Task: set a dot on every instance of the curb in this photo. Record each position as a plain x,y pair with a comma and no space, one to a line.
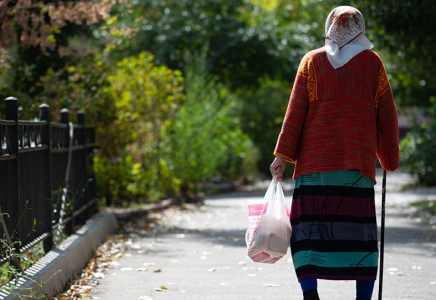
60,265
125,214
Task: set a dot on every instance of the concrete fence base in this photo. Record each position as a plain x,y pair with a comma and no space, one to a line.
51,273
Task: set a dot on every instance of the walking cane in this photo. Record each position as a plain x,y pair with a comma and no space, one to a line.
382,237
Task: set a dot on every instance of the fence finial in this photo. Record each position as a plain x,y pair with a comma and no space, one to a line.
11,108
65,116
44,112
81,117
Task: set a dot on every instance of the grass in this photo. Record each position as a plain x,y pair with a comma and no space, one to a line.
27,259
415,184
427,206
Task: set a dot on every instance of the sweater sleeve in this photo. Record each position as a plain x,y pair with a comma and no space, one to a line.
388,151
289,138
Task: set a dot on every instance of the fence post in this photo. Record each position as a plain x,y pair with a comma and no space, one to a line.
44,115
17,209
65,119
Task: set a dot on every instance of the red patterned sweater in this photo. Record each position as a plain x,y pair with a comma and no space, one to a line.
340,119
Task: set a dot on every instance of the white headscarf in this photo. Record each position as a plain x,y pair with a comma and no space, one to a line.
345,35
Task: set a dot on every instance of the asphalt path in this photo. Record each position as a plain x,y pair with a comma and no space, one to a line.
200,253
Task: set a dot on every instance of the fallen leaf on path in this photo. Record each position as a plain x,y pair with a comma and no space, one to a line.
157,271
271,284
99,275
141,269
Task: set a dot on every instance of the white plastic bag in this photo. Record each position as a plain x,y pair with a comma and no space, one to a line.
270,230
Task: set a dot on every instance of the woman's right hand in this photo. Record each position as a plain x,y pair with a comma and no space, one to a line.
278,167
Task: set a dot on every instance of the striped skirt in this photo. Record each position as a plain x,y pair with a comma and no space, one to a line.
334,226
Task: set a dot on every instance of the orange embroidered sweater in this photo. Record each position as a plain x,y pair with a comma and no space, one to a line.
340,119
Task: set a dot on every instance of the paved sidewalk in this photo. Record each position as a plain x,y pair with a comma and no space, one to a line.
200,253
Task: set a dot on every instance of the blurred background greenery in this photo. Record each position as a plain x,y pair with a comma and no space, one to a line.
186,92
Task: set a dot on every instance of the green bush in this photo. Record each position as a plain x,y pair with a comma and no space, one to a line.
157,138
207,139
418,148
263,111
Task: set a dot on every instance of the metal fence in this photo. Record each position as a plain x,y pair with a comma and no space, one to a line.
34,159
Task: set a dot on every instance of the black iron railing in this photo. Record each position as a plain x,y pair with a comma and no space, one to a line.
34,159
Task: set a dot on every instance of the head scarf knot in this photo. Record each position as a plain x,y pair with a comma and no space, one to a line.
345,35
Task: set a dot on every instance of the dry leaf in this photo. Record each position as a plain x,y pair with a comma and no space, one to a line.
99,275
157,271
271,284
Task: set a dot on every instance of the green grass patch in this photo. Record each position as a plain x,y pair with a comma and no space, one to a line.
415,184
9,272
428,206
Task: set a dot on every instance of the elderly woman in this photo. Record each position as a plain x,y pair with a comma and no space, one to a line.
340,117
